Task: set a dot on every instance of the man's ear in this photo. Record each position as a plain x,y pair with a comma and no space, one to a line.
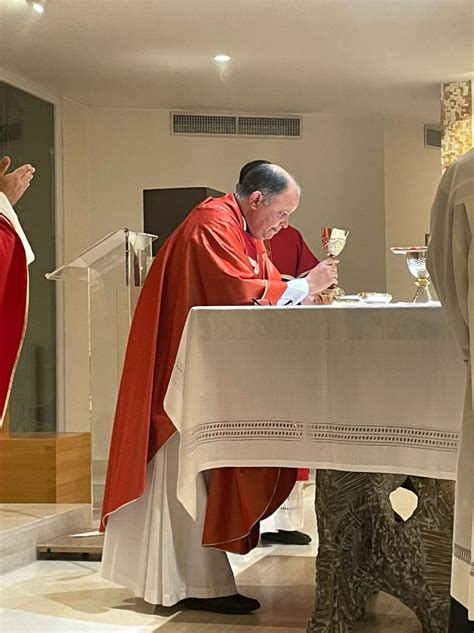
255,199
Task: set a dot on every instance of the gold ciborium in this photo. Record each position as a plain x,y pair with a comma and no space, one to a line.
333,241
416,262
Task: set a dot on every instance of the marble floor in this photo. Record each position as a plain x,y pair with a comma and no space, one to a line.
71,597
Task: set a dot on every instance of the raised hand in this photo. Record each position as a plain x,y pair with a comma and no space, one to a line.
14,184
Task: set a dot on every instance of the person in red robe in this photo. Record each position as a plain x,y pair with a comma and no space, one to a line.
290,254
15,255
293,258
215,257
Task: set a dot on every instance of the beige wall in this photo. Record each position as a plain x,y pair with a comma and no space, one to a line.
412,173
338,162
76,220
75,239
363,173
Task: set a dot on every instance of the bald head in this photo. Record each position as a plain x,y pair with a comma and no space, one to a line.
267,196
269,179
249,166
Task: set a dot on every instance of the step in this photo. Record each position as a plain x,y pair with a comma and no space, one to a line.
24,525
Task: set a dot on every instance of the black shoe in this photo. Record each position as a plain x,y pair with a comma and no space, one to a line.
236,604
287,538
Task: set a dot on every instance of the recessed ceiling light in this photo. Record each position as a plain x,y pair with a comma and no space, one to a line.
222,58
38,5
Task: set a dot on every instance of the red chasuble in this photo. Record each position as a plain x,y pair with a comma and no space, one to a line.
290,254
13,306
208,260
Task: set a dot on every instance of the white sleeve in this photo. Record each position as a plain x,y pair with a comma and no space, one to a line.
6,209
295,293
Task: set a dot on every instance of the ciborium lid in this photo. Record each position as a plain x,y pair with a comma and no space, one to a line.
403,250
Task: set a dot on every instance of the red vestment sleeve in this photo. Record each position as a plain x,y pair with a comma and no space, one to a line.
13,306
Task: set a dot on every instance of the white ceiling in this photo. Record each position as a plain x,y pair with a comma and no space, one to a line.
292,56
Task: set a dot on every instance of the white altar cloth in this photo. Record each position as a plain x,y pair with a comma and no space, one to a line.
357,388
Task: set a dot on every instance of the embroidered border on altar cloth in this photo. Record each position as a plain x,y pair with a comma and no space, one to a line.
287,430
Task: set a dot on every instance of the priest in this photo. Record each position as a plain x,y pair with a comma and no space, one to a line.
15,255
215,257
451,266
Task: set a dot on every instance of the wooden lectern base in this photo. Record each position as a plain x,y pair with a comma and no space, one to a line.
45,468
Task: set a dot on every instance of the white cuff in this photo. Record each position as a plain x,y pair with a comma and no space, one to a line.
297,290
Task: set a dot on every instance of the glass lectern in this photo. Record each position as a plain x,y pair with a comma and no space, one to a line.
101,288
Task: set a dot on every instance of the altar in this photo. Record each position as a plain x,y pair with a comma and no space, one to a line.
354,389
372,389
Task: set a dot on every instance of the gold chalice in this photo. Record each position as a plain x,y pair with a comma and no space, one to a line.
333,241
416,261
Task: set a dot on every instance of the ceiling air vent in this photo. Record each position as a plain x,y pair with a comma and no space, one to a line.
269,126
235,125
204,124
432,136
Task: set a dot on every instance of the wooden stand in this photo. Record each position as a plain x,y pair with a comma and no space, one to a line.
45,468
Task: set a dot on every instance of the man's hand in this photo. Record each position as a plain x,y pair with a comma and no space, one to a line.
321,277
317,300
15,184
